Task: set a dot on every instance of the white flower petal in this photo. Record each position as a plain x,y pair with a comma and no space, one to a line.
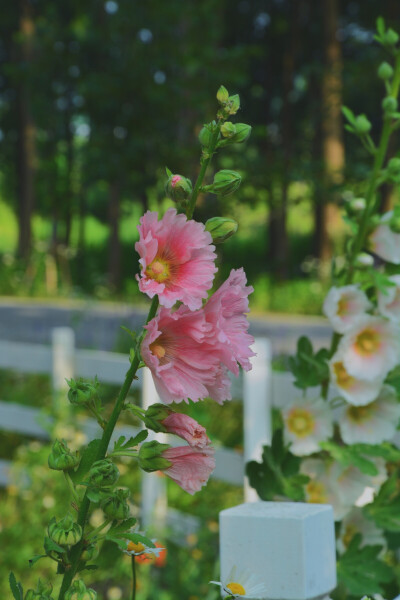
308,421
344,306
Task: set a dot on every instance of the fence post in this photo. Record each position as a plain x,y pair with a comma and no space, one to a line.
257,405
154,488
288,546
63,357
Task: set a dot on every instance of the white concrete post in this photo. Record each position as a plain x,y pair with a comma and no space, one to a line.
154,487
63,360
288,546
257,405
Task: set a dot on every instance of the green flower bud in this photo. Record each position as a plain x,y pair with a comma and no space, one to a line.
43,592
103,474
155,414
150,456
79,591
391,37
178,188
221,228
61,458
82,392
90,553
394,166
364,260
65,532
233,104
389,105
362,125
357,205
222,95
242,133
225,182
115,505
228,129
385,71
205,136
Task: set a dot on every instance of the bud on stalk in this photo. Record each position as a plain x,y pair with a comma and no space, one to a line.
43,592
225,182
79,591
61,458
150,456
82,392
103,474
221,228
115,505
178,188
65,532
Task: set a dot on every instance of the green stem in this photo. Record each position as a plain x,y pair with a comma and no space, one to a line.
76,551
371,206
133,577
204,164
132,453
71,487
94,533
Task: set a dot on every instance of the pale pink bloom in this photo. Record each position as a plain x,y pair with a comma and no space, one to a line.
344,306
371,424
226,312
308,421
191,467
357,392
371,348
175,179
183,366
389,302
176,258
186,428
384,242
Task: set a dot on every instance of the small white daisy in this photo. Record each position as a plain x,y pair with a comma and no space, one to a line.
307,422
371,424
384,242
344,306
357,392
389,302
371,348
242,584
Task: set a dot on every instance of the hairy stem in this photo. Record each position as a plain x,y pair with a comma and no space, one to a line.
133,577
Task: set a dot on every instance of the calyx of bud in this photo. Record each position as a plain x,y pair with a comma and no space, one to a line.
61,458
150,456
385,71
362,125
394,166
115,505
178,188
389,105
65,532
234,134
222,95
221,228
155,415
225,182
79,591
103,474
82,392
42,592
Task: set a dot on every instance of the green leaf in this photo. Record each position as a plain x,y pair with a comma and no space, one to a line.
360,570
124,526
35,558
309,369
350,456
385,509
130,332
120,538
349,115
51,546
123,444
88,457
15,587
168,172
380,25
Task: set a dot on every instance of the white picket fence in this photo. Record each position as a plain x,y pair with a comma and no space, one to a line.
62,360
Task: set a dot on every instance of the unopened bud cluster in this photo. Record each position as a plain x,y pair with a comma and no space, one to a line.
65,532
82,392
61,458
42,592
79,591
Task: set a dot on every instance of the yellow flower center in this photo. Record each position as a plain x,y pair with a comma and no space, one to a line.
236,588
136,547
316,492
343,379
348,534
342,307
359,413
159,270
157,350
300,422
367,342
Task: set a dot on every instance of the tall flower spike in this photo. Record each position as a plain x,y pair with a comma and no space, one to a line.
177,259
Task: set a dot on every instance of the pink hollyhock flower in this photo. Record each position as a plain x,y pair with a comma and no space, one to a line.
191,467
175,179
176,258
183,366
344,306
225,312
186,428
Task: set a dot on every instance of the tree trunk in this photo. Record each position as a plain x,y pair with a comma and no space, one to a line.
114,257
332,144
26,137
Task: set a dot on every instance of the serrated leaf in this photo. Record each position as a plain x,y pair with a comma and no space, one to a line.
89,455
16,588
385,509
361,571
123,444
350,456
34,559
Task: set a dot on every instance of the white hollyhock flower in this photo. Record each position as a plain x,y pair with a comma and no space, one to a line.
307,422
242,584
356,391
384,242
344,306
389,302
331,483
371,348
371,424
355,522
